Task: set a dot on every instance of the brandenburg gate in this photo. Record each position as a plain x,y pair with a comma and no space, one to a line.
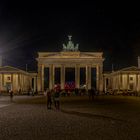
70,57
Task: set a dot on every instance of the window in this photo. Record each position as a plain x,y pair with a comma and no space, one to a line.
8,78
131,78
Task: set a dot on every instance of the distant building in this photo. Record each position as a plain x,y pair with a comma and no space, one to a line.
17,80
124,79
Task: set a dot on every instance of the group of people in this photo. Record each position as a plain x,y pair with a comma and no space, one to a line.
53,96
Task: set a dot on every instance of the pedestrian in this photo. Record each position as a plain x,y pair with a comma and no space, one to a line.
91,93
11,95
45,92
57,98
49,99
32,92
76,91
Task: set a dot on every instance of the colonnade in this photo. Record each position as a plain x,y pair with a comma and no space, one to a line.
16,81
99,77
122,82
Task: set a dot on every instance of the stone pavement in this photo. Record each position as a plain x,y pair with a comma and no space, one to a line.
106,118
6,101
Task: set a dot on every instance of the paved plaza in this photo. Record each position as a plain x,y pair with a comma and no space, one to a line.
105,118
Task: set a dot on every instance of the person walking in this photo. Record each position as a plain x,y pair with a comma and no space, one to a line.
91,93
57,99
49,99
45,92
11,95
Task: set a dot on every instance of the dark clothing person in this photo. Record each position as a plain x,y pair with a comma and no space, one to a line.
91,93
76,91
11,95
57,99
49,100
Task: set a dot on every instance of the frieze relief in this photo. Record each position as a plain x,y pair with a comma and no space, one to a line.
69,62
71,55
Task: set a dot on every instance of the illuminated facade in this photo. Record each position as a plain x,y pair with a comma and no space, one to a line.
70,57
16,80
124,79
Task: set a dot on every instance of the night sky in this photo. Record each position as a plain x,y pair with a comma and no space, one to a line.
29,27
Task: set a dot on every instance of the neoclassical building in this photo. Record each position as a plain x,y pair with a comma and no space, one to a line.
69,57
16,80
123,79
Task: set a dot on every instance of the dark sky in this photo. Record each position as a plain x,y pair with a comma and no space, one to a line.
29,27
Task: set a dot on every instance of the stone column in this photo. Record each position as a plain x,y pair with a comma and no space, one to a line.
42,77
39,79
2,81
138,88
127,81
136,84
12,82
87,77
53,76
23,77
97,77
21,83
101,78
105,84
50,76
62,76
34,83
23,87
18,82
118,82
77,76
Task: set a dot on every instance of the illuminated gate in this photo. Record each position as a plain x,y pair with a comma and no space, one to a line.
70,57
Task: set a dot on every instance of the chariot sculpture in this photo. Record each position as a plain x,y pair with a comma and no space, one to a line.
70,45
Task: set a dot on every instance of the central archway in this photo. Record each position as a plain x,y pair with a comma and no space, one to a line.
70,78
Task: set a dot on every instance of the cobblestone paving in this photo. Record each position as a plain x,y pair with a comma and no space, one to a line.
28,121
